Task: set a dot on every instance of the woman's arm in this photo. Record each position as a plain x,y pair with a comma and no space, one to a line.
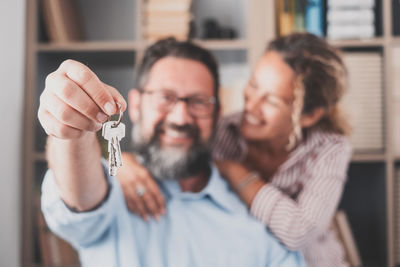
243,180
295,222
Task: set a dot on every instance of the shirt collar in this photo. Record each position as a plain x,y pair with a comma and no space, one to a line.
217,189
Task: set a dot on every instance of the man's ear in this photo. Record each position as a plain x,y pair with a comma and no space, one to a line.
310,119
134,98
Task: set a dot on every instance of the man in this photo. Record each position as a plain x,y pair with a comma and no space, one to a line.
174,111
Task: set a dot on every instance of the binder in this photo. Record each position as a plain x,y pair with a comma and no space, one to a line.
314,17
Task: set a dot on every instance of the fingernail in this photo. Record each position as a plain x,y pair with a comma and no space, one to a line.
110,108
146,218
156,217
101,117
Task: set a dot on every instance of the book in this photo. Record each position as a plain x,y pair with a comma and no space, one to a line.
314,17
299,13
342,228
351,31
351,4
363,16
168,6
161,29
285,17
167,18
62,20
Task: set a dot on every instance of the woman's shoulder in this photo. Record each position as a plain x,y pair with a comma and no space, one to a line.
228,142
323,142
319,137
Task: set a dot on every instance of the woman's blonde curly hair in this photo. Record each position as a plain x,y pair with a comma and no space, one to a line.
320,74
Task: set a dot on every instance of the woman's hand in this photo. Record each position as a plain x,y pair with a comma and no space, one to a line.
243,180
142,194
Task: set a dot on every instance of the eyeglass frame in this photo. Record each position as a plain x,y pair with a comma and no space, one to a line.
210,99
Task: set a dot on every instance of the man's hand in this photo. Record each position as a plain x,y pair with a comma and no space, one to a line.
75,101
142,194
72,107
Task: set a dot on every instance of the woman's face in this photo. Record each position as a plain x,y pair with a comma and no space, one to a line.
269,96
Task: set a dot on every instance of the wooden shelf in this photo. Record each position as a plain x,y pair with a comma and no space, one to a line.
396,41
223,44
372,42
368,157
134,45
90,46
55,265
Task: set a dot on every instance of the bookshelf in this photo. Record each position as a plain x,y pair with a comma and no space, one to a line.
113,46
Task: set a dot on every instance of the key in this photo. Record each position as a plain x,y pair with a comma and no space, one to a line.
113,134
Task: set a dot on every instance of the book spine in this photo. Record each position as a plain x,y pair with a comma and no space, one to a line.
351,4
350,16
285,17
351,31
314,17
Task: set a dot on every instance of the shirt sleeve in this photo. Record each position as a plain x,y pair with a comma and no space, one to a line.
296,222
79,228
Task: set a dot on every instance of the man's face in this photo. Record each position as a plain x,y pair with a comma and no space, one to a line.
174,142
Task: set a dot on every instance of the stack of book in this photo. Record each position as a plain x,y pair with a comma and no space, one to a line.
363,102
300,16
164,18
351,19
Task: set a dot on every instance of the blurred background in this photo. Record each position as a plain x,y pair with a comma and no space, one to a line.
111,36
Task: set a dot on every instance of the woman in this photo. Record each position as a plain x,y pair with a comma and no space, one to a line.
286,155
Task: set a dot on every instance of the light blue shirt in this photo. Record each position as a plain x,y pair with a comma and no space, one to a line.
209,228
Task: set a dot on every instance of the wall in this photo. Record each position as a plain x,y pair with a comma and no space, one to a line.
12,29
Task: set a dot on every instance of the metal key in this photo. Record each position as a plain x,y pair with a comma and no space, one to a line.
113,132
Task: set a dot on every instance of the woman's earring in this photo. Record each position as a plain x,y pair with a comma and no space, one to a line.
291,142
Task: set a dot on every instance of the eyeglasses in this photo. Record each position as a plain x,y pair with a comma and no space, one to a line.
199,106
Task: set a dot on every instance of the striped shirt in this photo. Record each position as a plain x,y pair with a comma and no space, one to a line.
298,203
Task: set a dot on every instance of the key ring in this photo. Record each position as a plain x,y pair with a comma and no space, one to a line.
120,116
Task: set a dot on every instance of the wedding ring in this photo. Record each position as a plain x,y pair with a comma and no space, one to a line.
140,190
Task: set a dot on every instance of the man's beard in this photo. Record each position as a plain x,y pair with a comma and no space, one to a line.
171,162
